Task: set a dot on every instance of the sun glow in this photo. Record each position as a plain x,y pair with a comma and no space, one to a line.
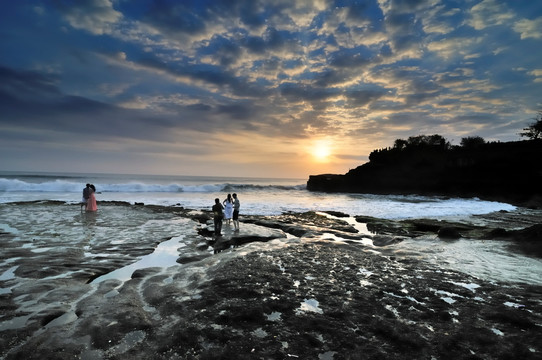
321,151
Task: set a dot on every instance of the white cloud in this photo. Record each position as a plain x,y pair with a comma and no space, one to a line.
537,73
95,16
436,20
489,13
529,28
454,47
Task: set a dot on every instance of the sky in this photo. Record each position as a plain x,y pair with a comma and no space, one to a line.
263,88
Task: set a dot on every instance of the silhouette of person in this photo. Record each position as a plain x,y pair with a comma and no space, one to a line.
236,206
218,213
86,194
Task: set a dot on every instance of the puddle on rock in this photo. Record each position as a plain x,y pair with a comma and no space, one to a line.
165,255
309,305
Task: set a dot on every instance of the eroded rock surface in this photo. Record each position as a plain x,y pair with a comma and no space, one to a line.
293,286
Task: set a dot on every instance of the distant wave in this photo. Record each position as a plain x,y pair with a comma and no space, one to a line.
232,187
15,185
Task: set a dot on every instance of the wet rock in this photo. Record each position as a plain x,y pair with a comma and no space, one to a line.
532,233
230,238
448,233
382,226
498,233
383,240
195,258
201,217
528,240
206,232
337,214
141,273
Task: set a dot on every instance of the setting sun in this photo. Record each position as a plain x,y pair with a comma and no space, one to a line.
321,151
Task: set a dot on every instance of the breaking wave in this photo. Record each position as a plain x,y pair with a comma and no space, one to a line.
16,185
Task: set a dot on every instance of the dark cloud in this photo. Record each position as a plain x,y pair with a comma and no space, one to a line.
175,17
29,98
474,119
27,84
298,92
255,44
199,107
358,98
236,111
192,17
407,5
347,58
224,50
207,73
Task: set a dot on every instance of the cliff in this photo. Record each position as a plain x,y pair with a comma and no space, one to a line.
508,171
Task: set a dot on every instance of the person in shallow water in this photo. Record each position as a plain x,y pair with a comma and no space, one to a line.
91,203
218,212
236,206
228,211
86,194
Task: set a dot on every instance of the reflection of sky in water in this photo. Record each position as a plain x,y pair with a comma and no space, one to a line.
9,274
489,259
309,305
165,255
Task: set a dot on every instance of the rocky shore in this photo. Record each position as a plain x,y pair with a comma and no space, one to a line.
295,286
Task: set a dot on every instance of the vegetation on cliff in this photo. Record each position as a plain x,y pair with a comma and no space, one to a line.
534,130
430,165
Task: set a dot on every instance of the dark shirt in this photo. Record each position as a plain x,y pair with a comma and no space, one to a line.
86,193
218,211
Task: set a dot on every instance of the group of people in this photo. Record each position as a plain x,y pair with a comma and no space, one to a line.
227,210
89,199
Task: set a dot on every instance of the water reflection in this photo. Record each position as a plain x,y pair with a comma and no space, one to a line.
165,255
484,259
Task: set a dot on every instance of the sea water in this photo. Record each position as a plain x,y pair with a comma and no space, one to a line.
258,196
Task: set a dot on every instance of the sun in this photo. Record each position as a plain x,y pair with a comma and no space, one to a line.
321,151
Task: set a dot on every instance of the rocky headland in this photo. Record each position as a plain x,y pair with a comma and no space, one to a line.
428,165
294,286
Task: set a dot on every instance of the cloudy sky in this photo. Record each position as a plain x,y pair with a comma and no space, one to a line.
281,88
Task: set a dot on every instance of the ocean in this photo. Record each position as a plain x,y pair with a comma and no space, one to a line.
258,196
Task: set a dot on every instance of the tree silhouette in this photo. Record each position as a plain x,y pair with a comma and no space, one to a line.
472,141
534,130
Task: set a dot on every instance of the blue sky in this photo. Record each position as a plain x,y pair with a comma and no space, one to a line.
279,88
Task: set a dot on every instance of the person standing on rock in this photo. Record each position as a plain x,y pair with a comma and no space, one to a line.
236,206
218,213
228,203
